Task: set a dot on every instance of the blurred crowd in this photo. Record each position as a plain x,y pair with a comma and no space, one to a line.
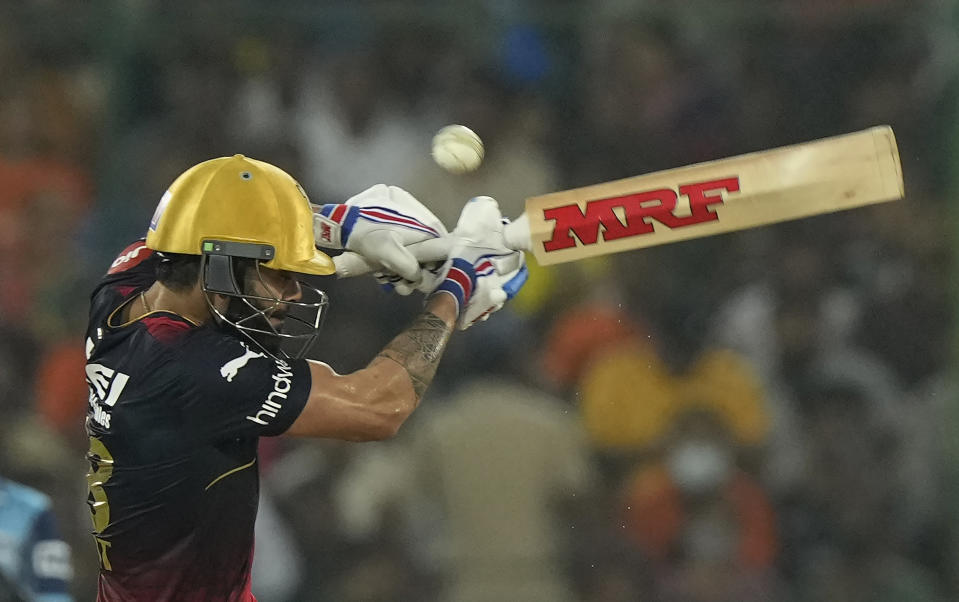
765,415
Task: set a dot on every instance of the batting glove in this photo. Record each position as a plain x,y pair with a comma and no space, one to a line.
482,273
375,227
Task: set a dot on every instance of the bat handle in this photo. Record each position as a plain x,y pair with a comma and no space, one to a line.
516,234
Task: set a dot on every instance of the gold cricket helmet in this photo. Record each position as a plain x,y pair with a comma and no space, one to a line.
236,211
239,200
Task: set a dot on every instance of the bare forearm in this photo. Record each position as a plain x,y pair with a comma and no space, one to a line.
418,349
372,403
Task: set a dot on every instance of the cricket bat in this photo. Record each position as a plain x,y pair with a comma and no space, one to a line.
736,193
755,189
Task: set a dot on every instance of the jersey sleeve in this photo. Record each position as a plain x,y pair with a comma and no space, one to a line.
133,267
240,391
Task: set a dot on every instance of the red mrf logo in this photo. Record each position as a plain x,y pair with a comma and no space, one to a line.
638,209
326,233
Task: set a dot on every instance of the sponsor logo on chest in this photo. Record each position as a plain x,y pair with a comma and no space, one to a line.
106,385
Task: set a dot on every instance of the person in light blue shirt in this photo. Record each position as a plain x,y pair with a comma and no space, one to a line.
34,560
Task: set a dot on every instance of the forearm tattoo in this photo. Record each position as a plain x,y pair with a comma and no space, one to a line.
419,349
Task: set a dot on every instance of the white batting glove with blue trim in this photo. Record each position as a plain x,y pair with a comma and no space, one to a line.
482,273
377,225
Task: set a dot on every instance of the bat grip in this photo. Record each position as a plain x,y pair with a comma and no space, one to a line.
515,235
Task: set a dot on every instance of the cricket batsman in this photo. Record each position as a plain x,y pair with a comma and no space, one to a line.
194,351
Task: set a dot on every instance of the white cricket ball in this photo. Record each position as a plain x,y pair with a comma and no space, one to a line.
457,149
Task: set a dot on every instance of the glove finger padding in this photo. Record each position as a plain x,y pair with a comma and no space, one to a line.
393,283
394,199
480,231
377,224
480,290
393,256
508,264
496,272
480,221
487,298
492,291
349,264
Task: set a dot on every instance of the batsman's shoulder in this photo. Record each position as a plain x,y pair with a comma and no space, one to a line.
209,344
130,257
132,270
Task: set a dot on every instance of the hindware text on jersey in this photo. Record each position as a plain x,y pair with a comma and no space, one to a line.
281,386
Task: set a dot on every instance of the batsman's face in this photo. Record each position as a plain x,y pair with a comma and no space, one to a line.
265,282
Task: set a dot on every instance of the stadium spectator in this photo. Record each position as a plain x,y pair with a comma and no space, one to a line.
34,560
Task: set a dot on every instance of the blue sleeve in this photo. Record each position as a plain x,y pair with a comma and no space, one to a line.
47,561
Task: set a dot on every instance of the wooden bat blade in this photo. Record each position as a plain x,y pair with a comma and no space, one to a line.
791,182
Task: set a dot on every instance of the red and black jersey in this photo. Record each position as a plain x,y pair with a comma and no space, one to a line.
175,413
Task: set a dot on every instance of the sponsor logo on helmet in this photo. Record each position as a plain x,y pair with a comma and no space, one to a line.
161,207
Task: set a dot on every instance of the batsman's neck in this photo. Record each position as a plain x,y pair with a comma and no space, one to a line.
190,304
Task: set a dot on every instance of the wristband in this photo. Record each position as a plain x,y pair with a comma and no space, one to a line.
459,282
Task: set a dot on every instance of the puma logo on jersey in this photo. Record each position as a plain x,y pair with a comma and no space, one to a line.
230,369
